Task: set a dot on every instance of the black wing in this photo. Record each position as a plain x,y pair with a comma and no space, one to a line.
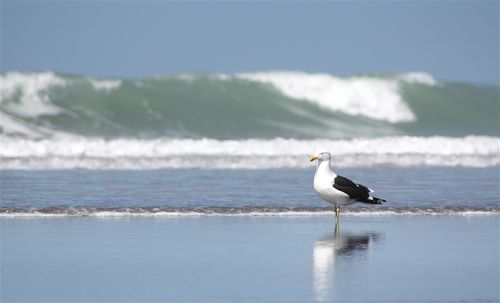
355,191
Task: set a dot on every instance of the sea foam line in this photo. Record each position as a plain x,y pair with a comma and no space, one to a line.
164,153
239,212
76,146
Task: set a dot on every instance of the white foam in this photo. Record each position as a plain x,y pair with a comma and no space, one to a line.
375,98
11,125
105,85
95,153
191,214
418,77
31,87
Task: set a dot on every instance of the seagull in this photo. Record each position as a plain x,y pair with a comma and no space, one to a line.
336,189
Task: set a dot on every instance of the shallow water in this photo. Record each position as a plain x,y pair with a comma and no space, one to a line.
431,189
251,259
247,236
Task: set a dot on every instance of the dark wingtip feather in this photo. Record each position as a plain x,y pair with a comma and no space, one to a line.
372,200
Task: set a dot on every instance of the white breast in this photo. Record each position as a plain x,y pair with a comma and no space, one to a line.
323,185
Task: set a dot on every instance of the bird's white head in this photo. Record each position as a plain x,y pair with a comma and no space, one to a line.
321,155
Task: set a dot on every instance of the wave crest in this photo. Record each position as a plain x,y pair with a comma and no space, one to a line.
247,105
28,93
375,98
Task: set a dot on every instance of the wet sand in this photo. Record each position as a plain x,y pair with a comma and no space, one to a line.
251,259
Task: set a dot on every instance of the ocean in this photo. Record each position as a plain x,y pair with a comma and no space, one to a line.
237,192
201,185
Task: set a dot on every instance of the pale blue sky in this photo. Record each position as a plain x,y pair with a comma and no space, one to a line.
457,41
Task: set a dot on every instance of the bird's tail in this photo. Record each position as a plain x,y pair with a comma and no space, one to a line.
378,200
373,200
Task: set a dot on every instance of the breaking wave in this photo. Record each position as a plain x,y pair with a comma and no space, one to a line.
375,98
98,153
246,120
262,105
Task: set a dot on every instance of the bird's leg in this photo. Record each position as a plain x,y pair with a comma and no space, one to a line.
337,214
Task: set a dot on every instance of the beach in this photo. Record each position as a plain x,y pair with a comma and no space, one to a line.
197,187
164,151
247,236
251,259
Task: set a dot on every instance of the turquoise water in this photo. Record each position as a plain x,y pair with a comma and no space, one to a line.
254,105
255,120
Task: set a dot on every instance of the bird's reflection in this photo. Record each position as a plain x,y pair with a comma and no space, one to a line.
333,248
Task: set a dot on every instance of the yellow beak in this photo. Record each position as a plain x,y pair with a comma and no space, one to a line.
313,158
